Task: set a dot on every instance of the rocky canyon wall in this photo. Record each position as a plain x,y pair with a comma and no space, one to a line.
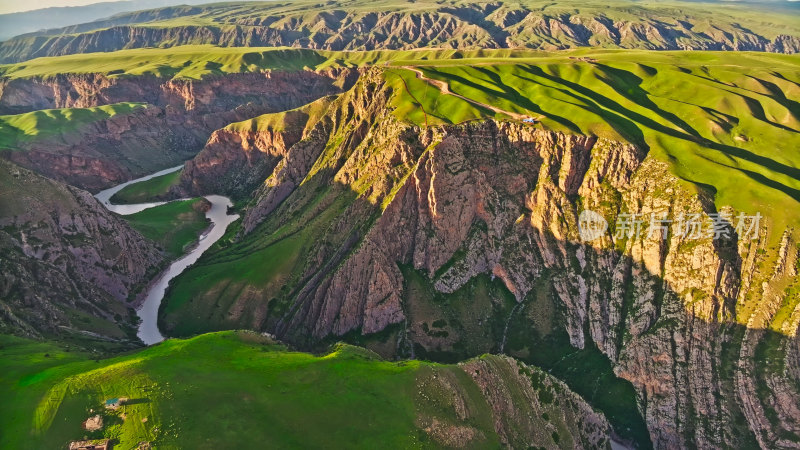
433,212
69,268
461,27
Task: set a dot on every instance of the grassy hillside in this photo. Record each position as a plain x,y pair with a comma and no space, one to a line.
391,24
174,225
729,123
231,389
55,122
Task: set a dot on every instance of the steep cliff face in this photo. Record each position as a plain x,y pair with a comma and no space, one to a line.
424,24
238,158
459,240
21,95
181,116
69,267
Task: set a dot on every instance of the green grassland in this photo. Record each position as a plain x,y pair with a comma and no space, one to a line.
213,391
148,190
20,128
23,363
233,389
174,225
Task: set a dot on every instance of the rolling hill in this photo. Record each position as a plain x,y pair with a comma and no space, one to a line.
228,390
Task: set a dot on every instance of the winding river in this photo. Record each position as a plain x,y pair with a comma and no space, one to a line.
220,219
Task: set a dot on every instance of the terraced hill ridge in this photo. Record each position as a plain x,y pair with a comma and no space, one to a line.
391,24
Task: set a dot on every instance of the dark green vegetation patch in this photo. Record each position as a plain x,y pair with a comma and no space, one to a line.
174,225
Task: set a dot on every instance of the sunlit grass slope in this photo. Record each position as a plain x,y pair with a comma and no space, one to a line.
197,61
726,122
214,391
242,390
189,61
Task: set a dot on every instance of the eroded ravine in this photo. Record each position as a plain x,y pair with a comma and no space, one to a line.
220,219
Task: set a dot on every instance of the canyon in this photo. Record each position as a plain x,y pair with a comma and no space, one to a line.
387,227
426,210
397,235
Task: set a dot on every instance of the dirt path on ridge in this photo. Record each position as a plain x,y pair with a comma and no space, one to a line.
444,88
